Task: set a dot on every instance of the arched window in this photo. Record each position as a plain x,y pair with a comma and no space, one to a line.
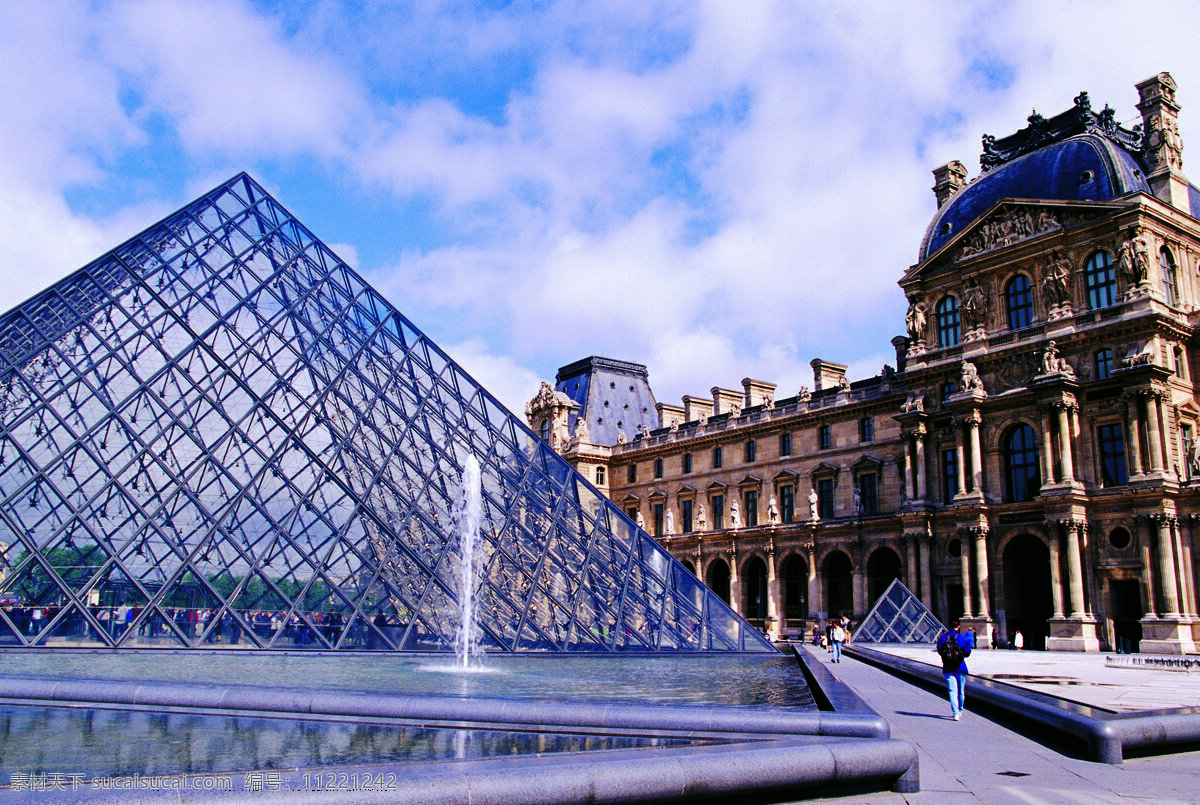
947,322
1018,299
600,476
544,430
1021,465
1104,363
1168,275
1100,278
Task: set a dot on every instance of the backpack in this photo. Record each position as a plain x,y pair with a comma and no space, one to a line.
951,652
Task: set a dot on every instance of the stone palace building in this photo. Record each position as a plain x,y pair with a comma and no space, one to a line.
1031,463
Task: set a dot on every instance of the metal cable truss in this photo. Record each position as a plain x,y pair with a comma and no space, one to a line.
218,435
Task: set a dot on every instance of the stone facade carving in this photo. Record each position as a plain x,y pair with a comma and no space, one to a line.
1133,259
1054,364
805,395
915,402
1008,227
735,515
974,305
701,518
969,378
1056,285
547,414
582,434
812,505
916,320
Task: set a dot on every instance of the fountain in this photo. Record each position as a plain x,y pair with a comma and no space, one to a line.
468,515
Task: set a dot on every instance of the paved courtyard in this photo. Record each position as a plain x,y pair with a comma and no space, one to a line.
979,761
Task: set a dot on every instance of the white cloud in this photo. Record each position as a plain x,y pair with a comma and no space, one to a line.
715,190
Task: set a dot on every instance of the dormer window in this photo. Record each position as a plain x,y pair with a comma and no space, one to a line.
1087,177
947,228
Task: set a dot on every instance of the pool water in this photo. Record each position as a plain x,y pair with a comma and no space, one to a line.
728,680
90,743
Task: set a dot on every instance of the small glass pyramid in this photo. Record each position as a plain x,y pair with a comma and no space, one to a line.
898,617
218,435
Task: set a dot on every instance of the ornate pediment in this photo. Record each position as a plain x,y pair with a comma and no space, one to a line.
1008,225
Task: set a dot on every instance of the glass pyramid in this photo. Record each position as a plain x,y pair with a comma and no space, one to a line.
898,617
218,435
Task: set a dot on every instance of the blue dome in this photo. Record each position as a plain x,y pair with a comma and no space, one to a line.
1086,167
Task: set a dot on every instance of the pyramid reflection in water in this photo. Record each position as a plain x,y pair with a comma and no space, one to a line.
218,435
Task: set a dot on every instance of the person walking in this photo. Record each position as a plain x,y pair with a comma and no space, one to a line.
837,637
954,647
1019,640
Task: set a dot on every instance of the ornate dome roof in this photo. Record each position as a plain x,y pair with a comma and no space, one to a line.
1085,167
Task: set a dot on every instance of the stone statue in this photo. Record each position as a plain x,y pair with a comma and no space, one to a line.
670,522
857,501
844,383
916,319
812,505
915,402
735,515
772,511
1053,364
969,381
974,304
805,395
641,521
1133,258
701,518
582,434
621,437
1194,459
1056,282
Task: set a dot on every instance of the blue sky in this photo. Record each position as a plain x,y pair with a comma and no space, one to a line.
717,190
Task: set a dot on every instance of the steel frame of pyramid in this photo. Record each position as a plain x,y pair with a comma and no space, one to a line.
218,435
898,617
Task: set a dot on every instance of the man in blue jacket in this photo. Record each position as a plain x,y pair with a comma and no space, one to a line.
954,647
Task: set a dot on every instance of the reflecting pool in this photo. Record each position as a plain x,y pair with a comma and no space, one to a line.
122,743
731,680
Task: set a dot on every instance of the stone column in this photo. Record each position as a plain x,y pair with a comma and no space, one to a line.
774,608
1166,568
909,541
910,487
960,459
981,573
735,585
1186,604
1064,444
1135,437
860,585
1152,426
922,486
976,453
925,550
1055,572
1047,448
815,604
964,558
1074,569
1188,569
1150,601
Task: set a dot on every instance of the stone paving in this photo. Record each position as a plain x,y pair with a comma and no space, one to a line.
1082,678
978,761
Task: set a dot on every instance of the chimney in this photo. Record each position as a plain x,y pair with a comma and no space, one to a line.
947,179
726,400
757,391
696,408
1161,141
827,374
